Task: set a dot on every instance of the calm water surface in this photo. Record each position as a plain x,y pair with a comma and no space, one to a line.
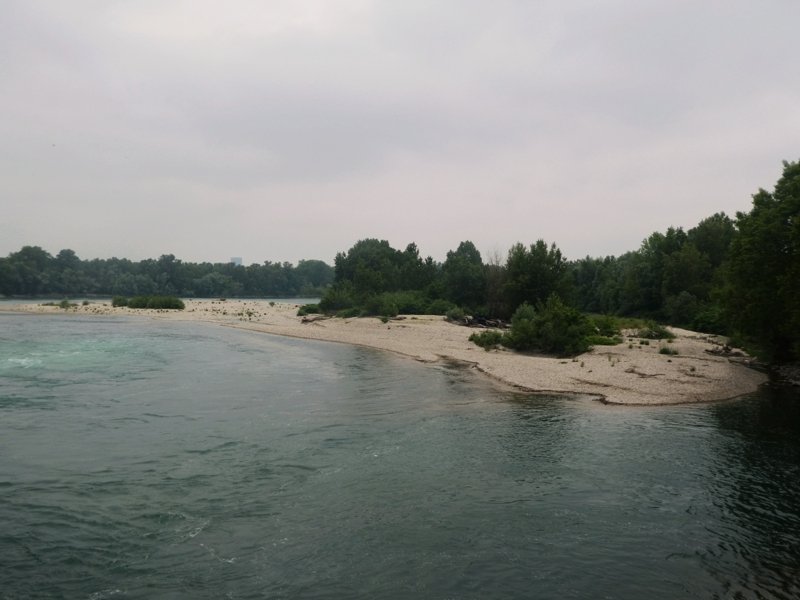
154,460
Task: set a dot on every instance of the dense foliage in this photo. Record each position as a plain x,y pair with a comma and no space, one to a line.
551,327
763,291
34,272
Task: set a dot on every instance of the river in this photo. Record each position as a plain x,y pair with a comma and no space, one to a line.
143,459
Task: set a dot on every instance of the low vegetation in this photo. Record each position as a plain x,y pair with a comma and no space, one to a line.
153,302
655,331
551,327
308,309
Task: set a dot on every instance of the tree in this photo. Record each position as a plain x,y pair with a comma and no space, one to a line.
764,284
371,266
464,277
713,236
534,273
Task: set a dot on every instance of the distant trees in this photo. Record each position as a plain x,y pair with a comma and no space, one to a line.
34,272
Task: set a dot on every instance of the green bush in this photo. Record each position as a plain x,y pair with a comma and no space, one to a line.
407,303
605,325
119,301
552,327
655,331
602,340
523,334
66,304
488,339
710,319
308,309
439,307
337,297
381,305
455,314
667,350
156,302
349,313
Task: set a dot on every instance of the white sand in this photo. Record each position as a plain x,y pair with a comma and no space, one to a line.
629,373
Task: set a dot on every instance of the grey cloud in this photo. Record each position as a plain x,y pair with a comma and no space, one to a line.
660,112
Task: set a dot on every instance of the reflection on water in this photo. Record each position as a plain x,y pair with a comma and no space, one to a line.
149,460
756,491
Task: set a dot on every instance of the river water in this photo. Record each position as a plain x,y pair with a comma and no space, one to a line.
141,459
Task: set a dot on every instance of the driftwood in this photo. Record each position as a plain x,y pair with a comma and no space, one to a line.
724,351
313,318
643,375
483,323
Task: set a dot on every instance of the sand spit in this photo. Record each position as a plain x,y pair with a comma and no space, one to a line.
629,373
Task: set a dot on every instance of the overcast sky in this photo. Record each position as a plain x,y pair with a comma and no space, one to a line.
281,130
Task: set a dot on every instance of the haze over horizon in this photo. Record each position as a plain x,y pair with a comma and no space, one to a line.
290,129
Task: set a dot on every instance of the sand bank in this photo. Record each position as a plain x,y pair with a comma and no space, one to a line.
629,373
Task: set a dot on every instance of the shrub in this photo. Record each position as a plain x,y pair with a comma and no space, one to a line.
654,331
407,303
381,305
710,319
667,350
163,302
488,339
85,303
308,309
605,325
338,297
119,301
523,334
66,304
455,314
552,327
349,313
439,307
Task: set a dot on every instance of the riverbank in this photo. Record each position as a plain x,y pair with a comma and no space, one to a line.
629,373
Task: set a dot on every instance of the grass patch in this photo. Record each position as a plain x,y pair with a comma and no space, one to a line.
488,339
603,340
654,331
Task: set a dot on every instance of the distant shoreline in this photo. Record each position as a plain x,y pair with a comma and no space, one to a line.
629,373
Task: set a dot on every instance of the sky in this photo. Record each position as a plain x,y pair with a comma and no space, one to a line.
286,130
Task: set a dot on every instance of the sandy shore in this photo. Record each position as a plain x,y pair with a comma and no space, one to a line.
629,373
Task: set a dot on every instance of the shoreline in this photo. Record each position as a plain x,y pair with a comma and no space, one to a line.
631,373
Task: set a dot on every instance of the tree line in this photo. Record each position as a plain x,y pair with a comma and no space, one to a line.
737,276
34,272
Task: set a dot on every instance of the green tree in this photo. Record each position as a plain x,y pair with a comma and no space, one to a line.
712,237
534,273
764,286
464,277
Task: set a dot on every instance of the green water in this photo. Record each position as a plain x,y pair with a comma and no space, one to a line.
151,460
